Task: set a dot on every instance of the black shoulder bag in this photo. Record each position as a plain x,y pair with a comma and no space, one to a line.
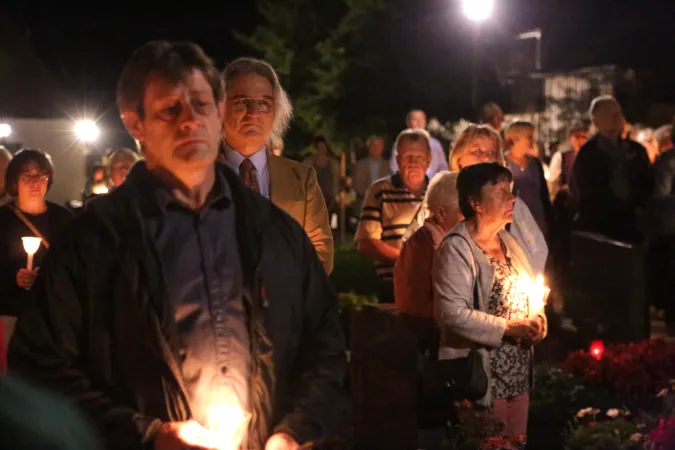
446,381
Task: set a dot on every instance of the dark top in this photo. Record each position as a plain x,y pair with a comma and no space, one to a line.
12,254
611,183
103,330
200,259
530,185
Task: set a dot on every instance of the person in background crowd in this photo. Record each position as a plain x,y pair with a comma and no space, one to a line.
183,304
29,176
560,168
327,170
97,184
371,168
662,234
5,157
417,120
611,178
493,116
647,137
413,291
662,135
276,145
528,173
480,301
258,108
391,204
119,164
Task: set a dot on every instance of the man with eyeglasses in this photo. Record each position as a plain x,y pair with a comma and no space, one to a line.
257,109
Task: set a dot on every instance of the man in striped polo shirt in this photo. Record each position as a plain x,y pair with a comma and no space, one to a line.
390,205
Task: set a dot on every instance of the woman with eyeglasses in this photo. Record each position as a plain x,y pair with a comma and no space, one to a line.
29,176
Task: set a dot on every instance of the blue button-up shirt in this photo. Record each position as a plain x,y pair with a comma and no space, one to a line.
202,269
259,160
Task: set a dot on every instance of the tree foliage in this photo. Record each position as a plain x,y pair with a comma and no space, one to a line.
316,47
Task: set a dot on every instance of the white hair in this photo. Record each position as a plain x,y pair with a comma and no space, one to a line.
442,191
5,155
283,110
413,134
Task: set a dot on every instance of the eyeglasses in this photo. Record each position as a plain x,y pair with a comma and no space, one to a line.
478,153
242,104
34,178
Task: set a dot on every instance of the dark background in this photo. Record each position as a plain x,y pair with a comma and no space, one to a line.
424,47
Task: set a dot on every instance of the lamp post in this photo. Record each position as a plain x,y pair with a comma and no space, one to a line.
533,34
477,11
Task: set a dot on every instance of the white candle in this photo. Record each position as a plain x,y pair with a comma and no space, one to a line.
31,246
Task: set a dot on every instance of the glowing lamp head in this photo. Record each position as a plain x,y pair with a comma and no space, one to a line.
478,10
87,130
31,244
5,130
597,349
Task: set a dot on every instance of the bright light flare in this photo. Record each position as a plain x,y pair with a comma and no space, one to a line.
5,130
31,245
227,424
87,130
99,189
478,10
537,292
597,349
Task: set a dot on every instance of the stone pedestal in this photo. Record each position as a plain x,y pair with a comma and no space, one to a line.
383,378
608,287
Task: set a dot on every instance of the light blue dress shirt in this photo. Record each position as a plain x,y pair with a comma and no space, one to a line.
259,160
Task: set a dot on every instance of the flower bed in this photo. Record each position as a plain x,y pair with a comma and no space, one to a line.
621,398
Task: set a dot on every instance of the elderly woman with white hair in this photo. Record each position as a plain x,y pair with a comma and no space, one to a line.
413,291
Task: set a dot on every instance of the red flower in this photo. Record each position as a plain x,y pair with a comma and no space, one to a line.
664,433
591,424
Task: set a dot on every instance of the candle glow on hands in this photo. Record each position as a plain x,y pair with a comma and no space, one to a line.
227,425
99,189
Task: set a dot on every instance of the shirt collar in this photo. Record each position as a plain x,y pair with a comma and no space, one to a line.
156,197
234,158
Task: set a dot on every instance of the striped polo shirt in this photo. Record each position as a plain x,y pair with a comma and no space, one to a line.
388,208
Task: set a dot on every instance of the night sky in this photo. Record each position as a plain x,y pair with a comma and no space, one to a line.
86,44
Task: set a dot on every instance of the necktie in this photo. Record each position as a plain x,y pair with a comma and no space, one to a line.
247,173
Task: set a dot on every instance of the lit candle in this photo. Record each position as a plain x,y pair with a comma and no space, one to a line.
537,293
31,245
99,189
227,424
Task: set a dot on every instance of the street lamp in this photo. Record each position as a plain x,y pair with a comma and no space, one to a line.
533,34
478,10
5,130
87,130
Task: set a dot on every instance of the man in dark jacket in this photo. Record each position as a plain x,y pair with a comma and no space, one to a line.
183,310
611,178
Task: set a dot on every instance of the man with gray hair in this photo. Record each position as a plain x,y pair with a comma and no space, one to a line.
256,109
611,179
391,204
5,157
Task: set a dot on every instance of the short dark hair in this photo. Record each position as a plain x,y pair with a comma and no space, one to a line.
20,159
471,180
170,60
576,127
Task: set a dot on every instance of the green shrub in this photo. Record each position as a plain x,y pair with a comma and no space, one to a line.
353,272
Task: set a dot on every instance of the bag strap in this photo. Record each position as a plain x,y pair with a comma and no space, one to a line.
29,224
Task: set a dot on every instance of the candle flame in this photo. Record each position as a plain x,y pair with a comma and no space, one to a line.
31,244
99,189
537,292
228,424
